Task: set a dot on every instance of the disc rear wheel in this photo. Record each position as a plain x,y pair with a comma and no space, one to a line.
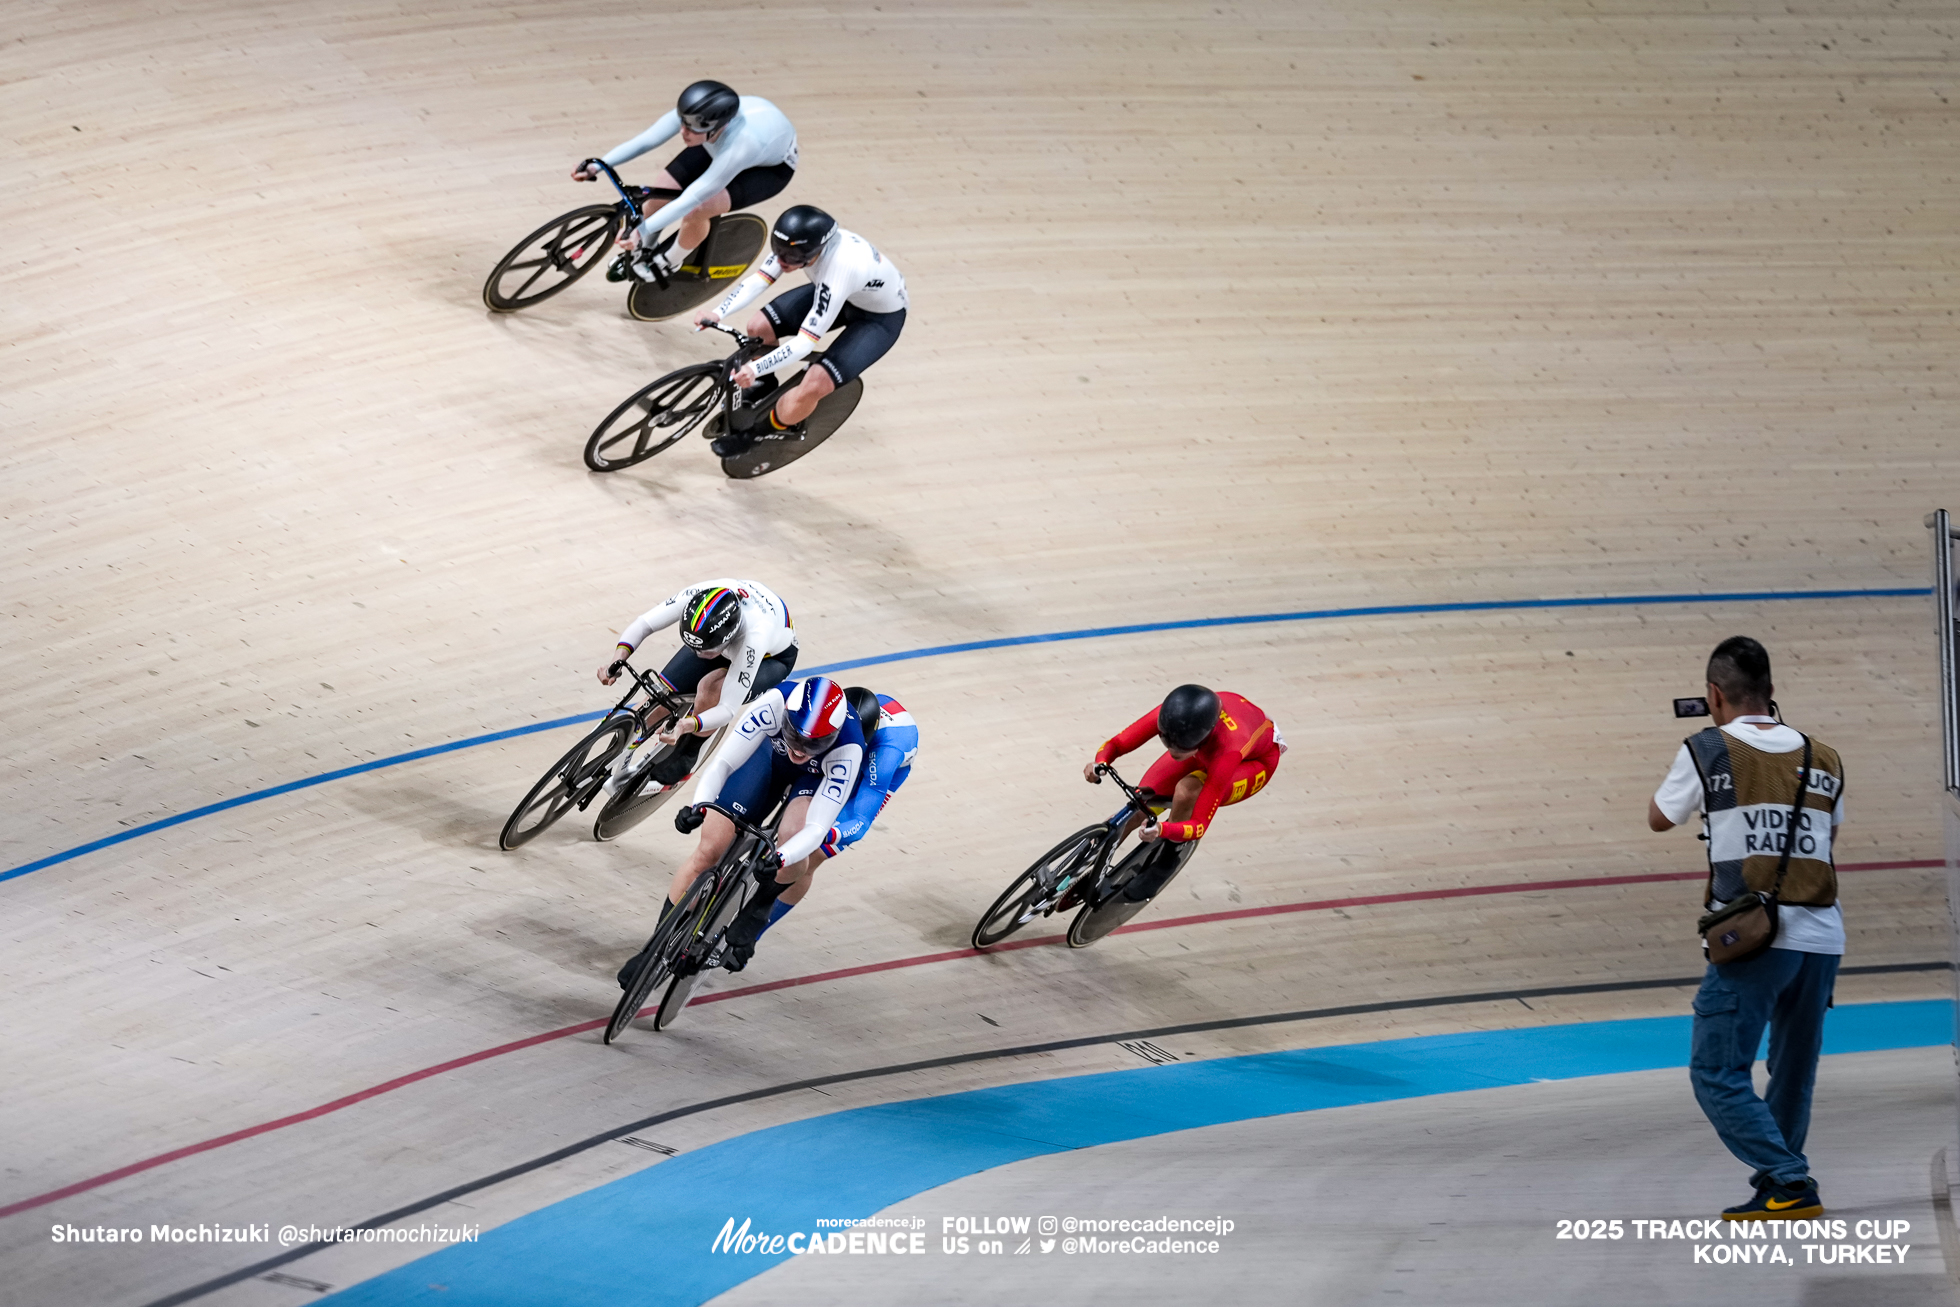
679,990
643,797
736,240
1116,907
632,804
772,452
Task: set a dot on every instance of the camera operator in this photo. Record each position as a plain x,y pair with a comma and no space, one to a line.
1742,774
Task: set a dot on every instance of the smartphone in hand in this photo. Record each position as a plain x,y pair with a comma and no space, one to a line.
1696,707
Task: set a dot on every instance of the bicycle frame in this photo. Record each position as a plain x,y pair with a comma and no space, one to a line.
632,199
1138,802
736,872
655,687
659,694
730,366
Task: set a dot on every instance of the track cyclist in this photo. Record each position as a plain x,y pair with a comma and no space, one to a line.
851,285
891,742
1221,750
801,740
737,642
741,150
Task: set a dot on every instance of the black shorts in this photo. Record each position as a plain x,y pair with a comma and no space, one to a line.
863,340
686,668
746,189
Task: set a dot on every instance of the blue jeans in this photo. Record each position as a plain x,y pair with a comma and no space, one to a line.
1789,992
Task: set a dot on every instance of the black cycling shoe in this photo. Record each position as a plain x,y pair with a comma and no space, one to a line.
735,442
1157,869
675,767
746,929
632,965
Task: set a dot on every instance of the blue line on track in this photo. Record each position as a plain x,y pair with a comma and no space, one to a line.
1005,642
646,1240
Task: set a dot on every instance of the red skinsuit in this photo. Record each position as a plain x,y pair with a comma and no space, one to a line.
1235,761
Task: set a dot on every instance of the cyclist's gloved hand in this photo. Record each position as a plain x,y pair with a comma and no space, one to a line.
689,819
768,865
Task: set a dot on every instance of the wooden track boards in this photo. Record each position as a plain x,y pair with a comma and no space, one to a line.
1284,307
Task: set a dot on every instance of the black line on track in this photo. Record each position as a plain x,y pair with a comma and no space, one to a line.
959,1059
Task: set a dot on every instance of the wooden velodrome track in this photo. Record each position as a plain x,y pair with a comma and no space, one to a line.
1217,311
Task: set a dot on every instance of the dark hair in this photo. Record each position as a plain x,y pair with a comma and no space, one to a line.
1739,668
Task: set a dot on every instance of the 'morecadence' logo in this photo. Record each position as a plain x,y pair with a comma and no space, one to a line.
802,1243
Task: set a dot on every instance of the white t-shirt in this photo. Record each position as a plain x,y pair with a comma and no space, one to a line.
1799,929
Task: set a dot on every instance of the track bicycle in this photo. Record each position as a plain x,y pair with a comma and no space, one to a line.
572,244
578,778
1083,872
692,939
702,397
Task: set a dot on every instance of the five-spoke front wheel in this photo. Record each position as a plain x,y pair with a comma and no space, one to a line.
551,258
655,416
1036,890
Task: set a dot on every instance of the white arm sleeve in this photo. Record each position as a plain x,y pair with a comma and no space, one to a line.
757,725
793,350
749,288
744,661
734,157
836,277
840,771
660,133
657,618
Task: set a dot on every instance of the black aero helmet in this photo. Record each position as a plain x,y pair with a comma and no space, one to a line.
801,234
1186,719
710,618
865,704
707,107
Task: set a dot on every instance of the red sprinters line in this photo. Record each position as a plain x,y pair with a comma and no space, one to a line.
845,973
1277,909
